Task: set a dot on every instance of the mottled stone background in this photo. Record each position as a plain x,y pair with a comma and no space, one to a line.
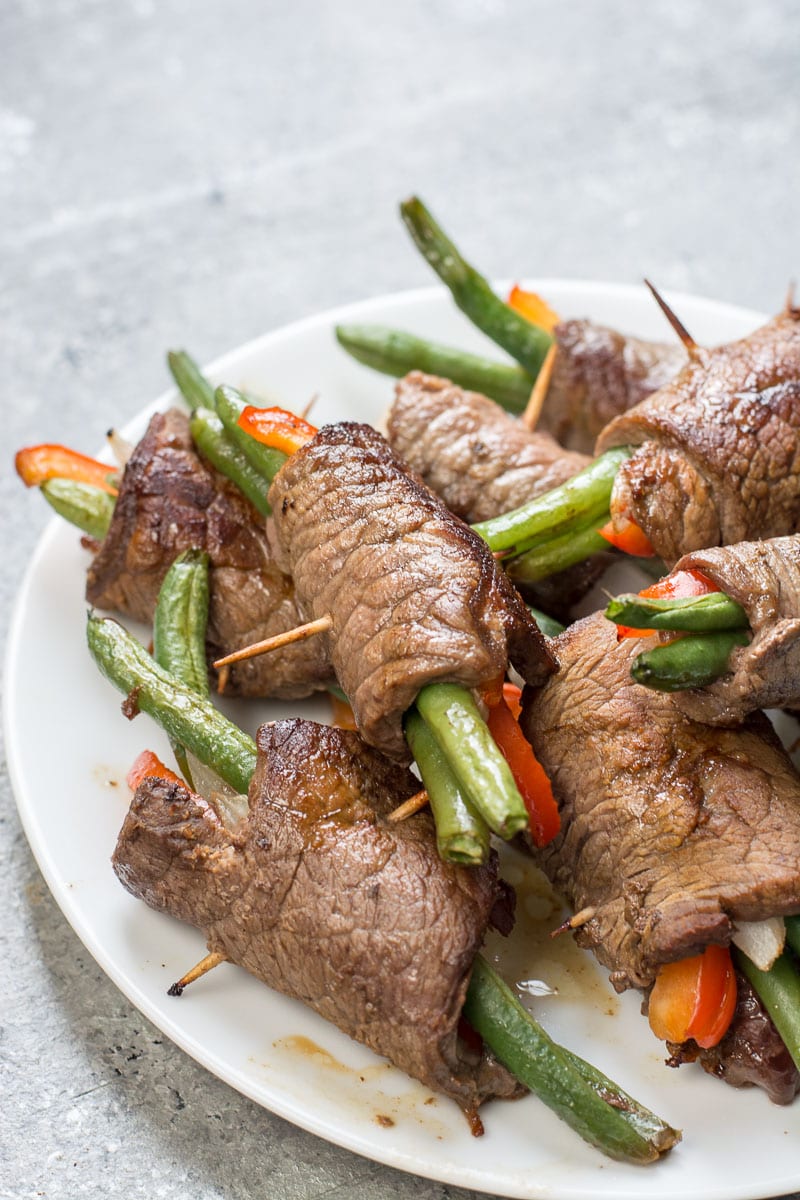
197,173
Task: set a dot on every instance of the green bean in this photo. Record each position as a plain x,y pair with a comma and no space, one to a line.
793,932
208,434
693,614
230,405
185,717
778,989
580,501
462,836
555,555
179,633
88,507
192,383
549,626
454,719
594,1106
179,623
525,342
689,662
396,353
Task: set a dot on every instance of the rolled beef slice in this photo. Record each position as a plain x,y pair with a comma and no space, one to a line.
483,462
671,830
718,457
171,500
414,595
323,899
598,374
764,577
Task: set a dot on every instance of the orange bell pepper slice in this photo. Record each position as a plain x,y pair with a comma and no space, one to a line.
533,308
529,775
626,535
36,464
276,427
678,586
147,764
694,998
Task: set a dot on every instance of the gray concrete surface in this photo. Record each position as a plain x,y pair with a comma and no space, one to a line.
196,173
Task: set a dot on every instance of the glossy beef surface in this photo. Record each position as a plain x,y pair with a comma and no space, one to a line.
718,458
323,899
599,373
414,595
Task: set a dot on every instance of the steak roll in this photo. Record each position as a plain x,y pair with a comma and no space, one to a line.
718,458
672,831
316,864
598,374
414,596
170,500
483,462
764,577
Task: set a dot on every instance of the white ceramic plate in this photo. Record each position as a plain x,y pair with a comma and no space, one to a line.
72,798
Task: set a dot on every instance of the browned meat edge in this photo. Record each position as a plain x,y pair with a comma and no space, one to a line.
320,897
171,500
719,447
414,595
598,374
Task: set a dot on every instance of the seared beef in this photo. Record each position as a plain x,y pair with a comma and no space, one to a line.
672,830
483,462
598,374
764,577
415,596
719,446
319,896
480,460
170,500
751,1054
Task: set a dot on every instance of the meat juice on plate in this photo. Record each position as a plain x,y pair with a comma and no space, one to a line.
542,967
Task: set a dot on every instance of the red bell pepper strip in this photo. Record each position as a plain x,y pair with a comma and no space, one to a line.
148,764
529,775
626,535
37,464
694,998
679,586
276,427
531,306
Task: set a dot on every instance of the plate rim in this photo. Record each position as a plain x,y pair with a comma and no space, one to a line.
286,1107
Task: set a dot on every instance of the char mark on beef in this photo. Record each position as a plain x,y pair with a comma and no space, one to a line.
170,500
764,577
414,595
483,462
718,457
598,374
323,899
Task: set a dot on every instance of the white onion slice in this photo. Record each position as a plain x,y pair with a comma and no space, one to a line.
761,941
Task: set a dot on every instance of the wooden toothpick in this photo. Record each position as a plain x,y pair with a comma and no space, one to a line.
202,968
413,805
675,321
298,634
